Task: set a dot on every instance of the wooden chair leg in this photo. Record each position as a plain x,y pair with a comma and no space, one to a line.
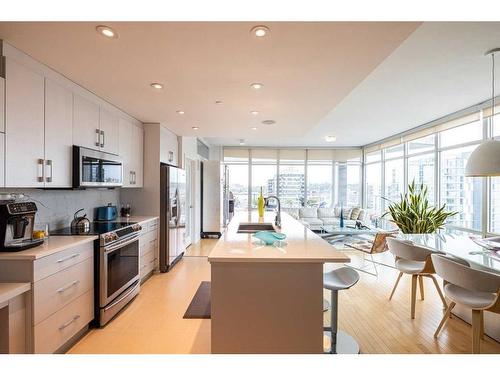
421,285
396,285
446,315
413,294
476,331
481,325
445,305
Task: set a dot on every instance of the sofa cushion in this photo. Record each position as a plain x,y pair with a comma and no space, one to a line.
362,215
355,213
326,213
308,212
346,213
330,220
312,221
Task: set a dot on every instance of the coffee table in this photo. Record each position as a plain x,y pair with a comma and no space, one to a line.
335,230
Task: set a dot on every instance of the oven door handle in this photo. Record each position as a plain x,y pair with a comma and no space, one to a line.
116,246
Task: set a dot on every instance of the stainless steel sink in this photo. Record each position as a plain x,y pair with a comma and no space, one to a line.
255,227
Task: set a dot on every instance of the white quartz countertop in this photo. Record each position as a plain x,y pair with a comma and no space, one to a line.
11,290
135,219
51,246
301,245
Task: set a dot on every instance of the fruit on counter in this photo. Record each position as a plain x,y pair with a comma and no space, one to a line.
38,234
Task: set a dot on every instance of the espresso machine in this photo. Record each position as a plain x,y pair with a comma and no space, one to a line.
17,220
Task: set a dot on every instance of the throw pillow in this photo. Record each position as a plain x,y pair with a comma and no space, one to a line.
347,213
355,213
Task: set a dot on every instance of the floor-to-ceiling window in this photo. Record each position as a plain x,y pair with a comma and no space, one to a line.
373,181
319,178
264,173
421,163
393,173
291,178
237,164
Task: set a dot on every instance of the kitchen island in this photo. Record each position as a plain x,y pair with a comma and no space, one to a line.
268,299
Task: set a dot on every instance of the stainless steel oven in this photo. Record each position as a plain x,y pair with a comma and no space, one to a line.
118,273
96,169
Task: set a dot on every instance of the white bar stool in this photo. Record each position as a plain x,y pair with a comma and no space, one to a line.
339,279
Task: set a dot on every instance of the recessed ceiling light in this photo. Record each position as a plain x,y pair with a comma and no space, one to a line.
106,31
195,128
157,85
218,102
330,138
260,31
255,113
256,86
269,122
180,112
242,142
254,128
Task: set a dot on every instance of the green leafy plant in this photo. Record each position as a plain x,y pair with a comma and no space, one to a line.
414,214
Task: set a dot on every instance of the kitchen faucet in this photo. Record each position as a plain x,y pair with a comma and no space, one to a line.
277,221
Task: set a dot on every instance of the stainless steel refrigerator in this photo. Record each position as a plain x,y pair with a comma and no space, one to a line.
172,215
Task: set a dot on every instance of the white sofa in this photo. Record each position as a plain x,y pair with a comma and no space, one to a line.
314,218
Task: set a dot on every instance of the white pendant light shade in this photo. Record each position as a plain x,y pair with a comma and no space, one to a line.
484,160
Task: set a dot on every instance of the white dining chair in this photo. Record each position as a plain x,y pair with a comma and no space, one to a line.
479,290
416,261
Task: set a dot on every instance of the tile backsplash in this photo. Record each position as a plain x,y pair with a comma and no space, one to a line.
56,207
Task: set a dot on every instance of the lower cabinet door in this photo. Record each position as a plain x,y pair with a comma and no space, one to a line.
57,329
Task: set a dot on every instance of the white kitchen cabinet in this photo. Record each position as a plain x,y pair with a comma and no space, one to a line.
137,153
24,114
2,160
58,135
109,128
168,147
86,131
2,105
131,151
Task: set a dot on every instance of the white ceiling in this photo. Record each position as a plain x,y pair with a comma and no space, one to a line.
307,69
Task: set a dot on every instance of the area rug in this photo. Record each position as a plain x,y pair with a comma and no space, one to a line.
199,308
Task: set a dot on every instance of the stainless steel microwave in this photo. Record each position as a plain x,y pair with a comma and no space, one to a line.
96,169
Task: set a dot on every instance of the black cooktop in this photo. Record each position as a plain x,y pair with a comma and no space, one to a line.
96,228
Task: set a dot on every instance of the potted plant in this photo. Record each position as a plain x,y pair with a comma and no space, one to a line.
414,214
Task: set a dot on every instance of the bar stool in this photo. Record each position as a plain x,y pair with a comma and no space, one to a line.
478,290
339,279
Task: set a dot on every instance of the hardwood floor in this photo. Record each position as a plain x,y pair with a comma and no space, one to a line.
153,322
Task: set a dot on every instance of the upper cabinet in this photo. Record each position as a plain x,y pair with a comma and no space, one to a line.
109,129
131,151
94,127
169,147
86,131
24,125
58,135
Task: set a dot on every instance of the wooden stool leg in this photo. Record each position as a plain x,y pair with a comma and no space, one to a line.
446,315
413,294
445,305
481,326
395,285
421,285
476,331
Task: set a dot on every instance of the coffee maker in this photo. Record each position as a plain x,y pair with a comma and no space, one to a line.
17,220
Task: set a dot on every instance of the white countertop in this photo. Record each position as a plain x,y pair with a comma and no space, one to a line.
11,290
51,246
301,245
135,219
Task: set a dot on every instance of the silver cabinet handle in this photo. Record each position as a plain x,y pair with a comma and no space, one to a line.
74,319
49,164
98,137
135,180
67,258
102,134
40,172
62,289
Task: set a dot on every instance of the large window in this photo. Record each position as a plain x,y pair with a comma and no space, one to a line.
373,187
394,180
460,193
421,170
299,177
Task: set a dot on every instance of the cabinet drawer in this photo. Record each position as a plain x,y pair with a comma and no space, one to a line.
58,328
148,263
153,225
63,259
56,291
